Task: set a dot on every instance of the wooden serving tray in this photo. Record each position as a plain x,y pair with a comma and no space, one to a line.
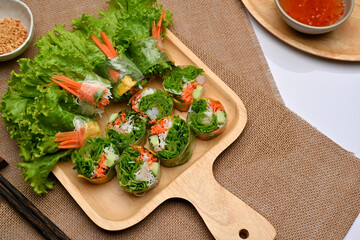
111,208
340,44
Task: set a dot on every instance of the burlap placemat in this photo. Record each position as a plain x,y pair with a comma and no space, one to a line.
302,182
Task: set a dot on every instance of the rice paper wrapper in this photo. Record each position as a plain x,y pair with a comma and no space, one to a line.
181,106
149,58
127,171
184,156
181,75
164,105
206,135
137,136
110,174
89,156
209,136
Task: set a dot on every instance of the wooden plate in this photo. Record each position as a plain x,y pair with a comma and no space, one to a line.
111,208
341,44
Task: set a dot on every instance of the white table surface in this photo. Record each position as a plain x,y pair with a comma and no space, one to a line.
325,93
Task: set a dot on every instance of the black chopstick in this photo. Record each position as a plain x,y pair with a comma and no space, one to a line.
25,212
28,210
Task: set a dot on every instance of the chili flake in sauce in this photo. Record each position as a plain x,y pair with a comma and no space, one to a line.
318,13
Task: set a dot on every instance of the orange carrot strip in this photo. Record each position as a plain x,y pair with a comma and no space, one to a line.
69,146
118,121
64,134
80,90
80,136
108,44
100,169
114,74
159,23
216,106
102,47
123,116
68,141
65,87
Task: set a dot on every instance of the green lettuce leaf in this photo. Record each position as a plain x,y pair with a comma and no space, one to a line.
36,172
89,155
203,122
197,116
178,144
149,58
160,100
129,164
175,79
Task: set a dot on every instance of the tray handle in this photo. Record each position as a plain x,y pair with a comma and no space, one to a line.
226,216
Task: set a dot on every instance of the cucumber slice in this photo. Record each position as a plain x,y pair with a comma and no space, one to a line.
111,159
154,140
155,167
197,92
112,117
220,115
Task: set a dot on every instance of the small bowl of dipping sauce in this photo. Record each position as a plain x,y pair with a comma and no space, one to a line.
315,16
16,28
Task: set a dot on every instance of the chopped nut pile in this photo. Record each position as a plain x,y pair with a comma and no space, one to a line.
12,34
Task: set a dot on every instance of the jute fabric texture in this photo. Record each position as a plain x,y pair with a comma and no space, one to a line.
301,181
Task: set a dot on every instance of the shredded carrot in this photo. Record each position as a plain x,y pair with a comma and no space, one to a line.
158,128
100,170
143,151
136,97
216,106
186,94
123,116
117,121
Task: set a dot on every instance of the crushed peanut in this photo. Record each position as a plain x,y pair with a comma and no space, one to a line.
12,34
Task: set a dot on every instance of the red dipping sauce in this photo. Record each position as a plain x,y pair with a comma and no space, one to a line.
317,13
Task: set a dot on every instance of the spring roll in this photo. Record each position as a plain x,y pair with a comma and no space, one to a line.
207,118
151,103
126,128
184,84
95,161
124,74
151,60
138,170
172,141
